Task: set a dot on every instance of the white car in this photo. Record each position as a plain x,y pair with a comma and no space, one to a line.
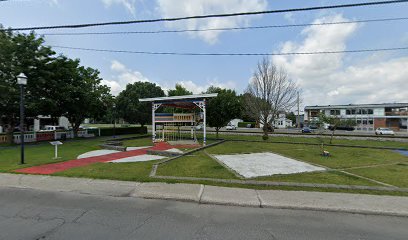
52,128
384,131
231,127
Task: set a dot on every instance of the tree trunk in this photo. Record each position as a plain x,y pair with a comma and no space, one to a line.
216,132
9,133
332,135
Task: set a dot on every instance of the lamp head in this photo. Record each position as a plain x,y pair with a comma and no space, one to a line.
22,79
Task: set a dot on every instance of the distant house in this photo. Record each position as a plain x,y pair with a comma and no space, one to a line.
280,122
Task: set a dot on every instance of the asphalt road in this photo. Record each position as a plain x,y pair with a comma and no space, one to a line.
29,214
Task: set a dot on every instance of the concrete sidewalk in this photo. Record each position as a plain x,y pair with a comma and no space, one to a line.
342,202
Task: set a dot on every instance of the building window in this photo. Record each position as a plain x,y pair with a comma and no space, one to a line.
370,111
335,112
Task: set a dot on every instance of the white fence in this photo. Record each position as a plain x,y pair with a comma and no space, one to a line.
49,136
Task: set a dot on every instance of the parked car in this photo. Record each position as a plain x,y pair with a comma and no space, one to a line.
346,128
231,127
384,131
52,128
306,130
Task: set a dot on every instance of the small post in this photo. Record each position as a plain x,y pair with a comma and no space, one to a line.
205,123
153,122
56,152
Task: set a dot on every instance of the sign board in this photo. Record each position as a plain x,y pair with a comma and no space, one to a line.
55,143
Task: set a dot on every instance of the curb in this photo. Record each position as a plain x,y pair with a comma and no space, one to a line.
205,194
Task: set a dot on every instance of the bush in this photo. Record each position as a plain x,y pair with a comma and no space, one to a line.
122,131
265,137
245,124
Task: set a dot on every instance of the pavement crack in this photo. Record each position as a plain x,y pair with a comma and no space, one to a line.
80,216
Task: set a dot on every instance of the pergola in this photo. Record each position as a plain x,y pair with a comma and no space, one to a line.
184,102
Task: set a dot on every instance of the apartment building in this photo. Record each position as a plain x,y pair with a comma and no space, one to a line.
368,117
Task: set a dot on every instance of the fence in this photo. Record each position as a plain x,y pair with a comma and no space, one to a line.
62,135
46,136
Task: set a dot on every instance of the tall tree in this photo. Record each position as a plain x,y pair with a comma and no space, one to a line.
128,106
83,96
223,108
21,53
179,91
269,91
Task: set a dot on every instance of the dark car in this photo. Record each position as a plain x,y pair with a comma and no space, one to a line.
306,130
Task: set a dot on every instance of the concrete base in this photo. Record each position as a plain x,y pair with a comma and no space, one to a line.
264,164
140,158
96,153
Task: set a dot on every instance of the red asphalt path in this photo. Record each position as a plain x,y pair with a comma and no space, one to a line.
62,166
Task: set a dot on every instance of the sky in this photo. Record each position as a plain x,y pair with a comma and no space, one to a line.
346,78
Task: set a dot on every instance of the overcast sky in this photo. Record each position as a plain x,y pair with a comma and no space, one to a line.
324,79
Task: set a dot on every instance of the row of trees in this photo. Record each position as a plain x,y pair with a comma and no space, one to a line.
57,85
60,86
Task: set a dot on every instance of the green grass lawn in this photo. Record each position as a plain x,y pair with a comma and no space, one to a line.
42,153
396,175
139,142
116,171
277,138
342,157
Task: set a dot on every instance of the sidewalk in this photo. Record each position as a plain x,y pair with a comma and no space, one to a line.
203,194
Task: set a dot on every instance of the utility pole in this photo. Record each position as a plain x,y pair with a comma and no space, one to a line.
298,111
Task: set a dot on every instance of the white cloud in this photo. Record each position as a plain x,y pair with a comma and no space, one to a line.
199,88
128,4
324,78
181,8
122,76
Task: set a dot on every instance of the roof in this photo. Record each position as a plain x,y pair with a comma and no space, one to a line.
179,98
374,105
186,101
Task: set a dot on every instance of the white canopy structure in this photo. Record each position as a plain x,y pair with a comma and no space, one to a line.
177,119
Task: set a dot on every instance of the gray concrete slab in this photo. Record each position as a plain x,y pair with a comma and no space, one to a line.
344,202
265,164
109,188
184,192
230,196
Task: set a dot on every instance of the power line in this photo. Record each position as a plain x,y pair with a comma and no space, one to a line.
210,16
227,29
231,54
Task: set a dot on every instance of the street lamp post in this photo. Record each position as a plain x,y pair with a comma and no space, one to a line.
22,81
114,120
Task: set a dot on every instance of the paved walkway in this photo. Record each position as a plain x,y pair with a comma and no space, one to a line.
204,194
62,166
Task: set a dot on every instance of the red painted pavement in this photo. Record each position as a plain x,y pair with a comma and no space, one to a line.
62,166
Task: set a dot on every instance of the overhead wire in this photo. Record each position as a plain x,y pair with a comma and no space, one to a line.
229,54
84,25
226,29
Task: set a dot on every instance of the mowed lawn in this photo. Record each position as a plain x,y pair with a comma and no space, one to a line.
43,153
202,165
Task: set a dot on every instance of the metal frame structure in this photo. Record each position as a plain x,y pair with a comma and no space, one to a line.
186,102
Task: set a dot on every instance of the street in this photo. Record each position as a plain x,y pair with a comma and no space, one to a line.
33,214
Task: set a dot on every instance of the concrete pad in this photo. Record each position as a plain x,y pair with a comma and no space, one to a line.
136,148
179,191
140,158
264,164
175,150
230,196
96,153
334,202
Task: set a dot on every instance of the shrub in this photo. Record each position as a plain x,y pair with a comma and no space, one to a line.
123,130
244,124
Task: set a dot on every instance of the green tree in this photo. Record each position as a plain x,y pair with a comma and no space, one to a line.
179,91
128,106
223,108
83,96
21,53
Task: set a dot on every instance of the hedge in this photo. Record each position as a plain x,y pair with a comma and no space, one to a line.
244,124
123,130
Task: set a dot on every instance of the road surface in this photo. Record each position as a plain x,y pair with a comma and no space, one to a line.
30,214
